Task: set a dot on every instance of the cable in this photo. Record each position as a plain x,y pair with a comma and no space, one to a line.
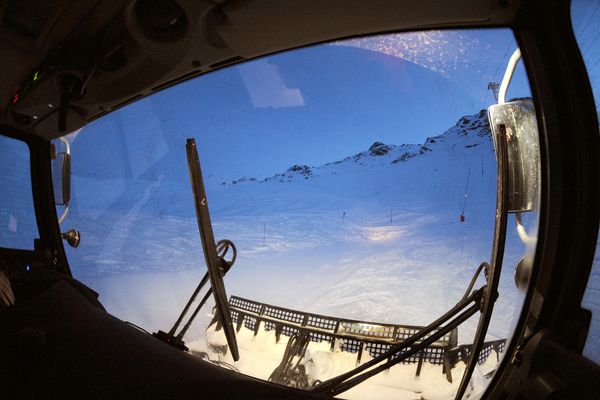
593,67
483,265
204,356
591,43
510,43
138,327
584,27
493,76
288,372
466,192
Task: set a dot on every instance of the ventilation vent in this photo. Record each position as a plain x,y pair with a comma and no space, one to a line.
162,20
28,17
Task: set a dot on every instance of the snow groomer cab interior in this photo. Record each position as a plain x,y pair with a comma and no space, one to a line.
235,199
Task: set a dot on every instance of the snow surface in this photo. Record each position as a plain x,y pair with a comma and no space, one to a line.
375,236
398,382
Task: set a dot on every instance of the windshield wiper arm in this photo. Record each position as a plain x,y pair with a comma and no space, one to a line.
485,299
223,247
341,387
398,352
209,246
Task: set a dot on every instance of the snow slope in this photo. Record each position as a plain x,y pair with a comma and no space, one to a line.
375,236
381,228
261,354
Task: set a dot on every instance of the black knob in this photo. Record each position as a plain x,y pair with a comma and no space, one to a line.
72,237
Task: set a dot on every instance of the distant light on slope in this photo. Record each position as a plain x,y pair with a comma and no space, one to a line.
382,233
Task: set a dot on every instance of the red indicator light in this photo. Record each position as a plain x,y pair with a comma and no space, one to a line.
15,98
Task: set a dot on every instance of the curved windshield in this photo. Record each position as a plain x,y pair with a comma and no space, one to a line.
18,228
585,16
357,180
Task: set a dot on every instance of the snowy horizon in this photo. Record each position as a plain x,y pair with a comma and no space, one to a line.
374,236
297,214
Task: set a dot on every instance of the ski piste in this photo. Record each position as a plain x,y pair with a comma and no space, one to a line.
516,143
290,371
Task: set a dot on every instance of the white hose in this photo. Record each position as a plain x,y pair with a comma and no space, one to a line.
510,69
64,214
67,145
523,235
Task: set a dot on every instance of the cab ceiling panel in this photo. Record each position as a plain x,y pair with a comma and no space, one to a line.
32,31
66,63
271,25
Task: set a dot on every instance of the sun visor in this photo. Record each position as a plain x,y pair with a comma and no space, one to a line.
517,120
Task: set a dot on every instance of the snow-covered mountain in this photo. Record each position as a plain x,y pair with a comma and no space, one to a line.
438,172
469,131
388,215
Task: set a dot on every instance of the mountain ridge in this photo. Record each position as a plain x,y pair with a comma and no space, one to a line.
471,129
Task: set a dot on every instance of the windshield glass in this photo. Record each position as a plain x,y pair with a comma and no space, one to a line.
357,180
585,16
18,226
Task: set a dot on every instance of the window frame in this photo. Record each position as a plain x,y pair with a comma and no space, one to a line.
553,324
48,248
569,212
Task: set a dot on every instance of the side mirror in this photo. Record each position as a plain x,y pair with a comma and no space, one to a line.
61,178
517,119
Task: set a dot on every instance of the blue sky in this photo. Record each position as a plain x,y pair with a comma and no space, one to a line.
586,24
323,103
320,104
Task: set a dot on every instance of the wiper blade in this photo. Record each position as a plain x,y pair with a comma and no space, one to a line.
209,247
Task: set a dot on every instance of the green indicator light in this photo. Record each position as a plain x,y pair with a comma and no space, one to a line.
35,76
